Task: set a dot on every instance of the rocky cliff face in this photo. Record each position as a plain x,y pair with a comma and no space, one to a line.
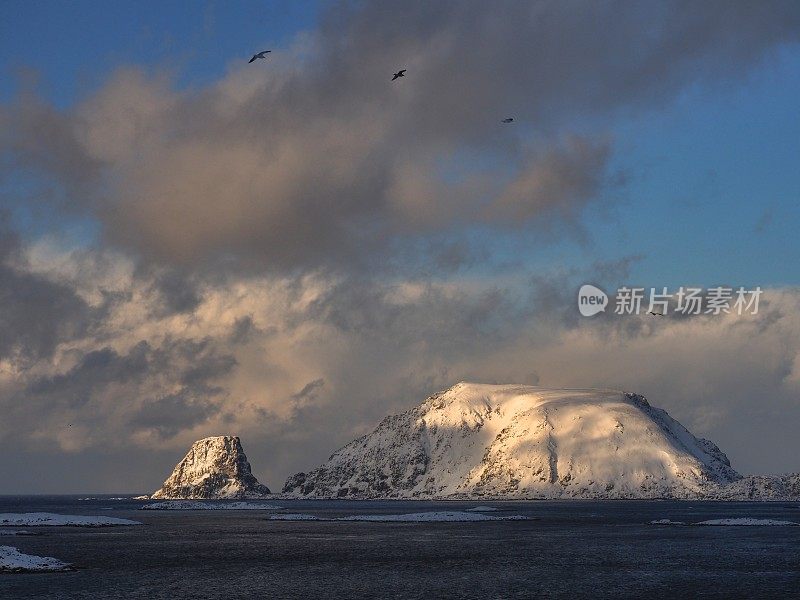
512,441
214,467
760,488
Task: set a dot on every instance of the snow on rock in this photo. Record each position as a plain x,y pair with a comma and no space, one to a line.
214,468
747,522
14,561
514,441
423,517
110,498
666,522
734,521
194,505
40,519
481,509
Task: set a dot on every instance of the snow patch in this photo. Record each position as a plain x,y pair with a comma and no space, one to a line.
481,509
666,522
725,522
193,505
14,561
747,521
39,519
106,498
296,517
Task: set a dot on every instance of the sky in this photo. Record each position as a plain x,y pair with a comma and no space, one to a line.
289,250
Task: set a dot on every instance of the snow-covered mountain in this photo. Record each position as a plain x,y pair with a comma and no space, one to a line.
513,441
214,467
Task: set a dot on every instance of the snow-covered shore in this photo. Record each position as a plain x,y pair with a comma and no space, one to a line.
747,521
738,521
40,519
196,505
14,561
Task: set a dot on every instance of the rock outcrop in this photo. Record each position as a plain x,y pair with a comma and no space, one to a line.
214,467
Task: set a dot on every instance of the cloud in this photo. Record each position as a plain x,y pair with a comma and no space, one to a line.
179,294
318,160
309,389
309,392
300,366
290,253
560,182
37,314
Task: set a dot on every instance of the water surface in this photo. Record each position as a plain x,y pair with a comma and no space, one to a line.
571,550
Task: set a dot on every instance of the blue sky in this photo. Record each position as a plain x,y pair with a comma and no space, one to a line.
725,154
712,191
78,43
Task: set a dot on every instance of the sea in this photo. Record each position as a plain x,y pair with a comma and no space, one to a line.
566,549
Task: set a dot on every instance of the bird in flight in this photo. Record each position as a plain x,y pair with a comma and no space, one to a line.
400,73
508,120
655,314
258,55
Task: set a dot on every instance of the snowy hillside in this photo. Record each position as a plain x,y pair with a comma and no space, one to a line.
512,441
214,467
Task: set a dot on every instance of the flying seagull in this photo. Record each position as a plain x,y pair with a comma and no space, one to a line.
258,55
508,120
400,73
655,314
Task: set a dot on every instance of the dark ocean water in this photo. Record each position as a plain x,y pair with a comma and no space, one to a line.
573,550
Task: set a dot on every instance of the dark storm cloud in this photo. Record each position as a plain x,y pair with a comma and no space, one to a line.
323,161
192,363
453,319
243,330
174,413
35,314
309,393
96,369
34,134
107,390
203,362
309,389
179,293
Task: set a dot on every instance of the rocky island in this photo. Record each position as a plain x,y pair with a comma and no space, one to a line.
526,442
214,468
